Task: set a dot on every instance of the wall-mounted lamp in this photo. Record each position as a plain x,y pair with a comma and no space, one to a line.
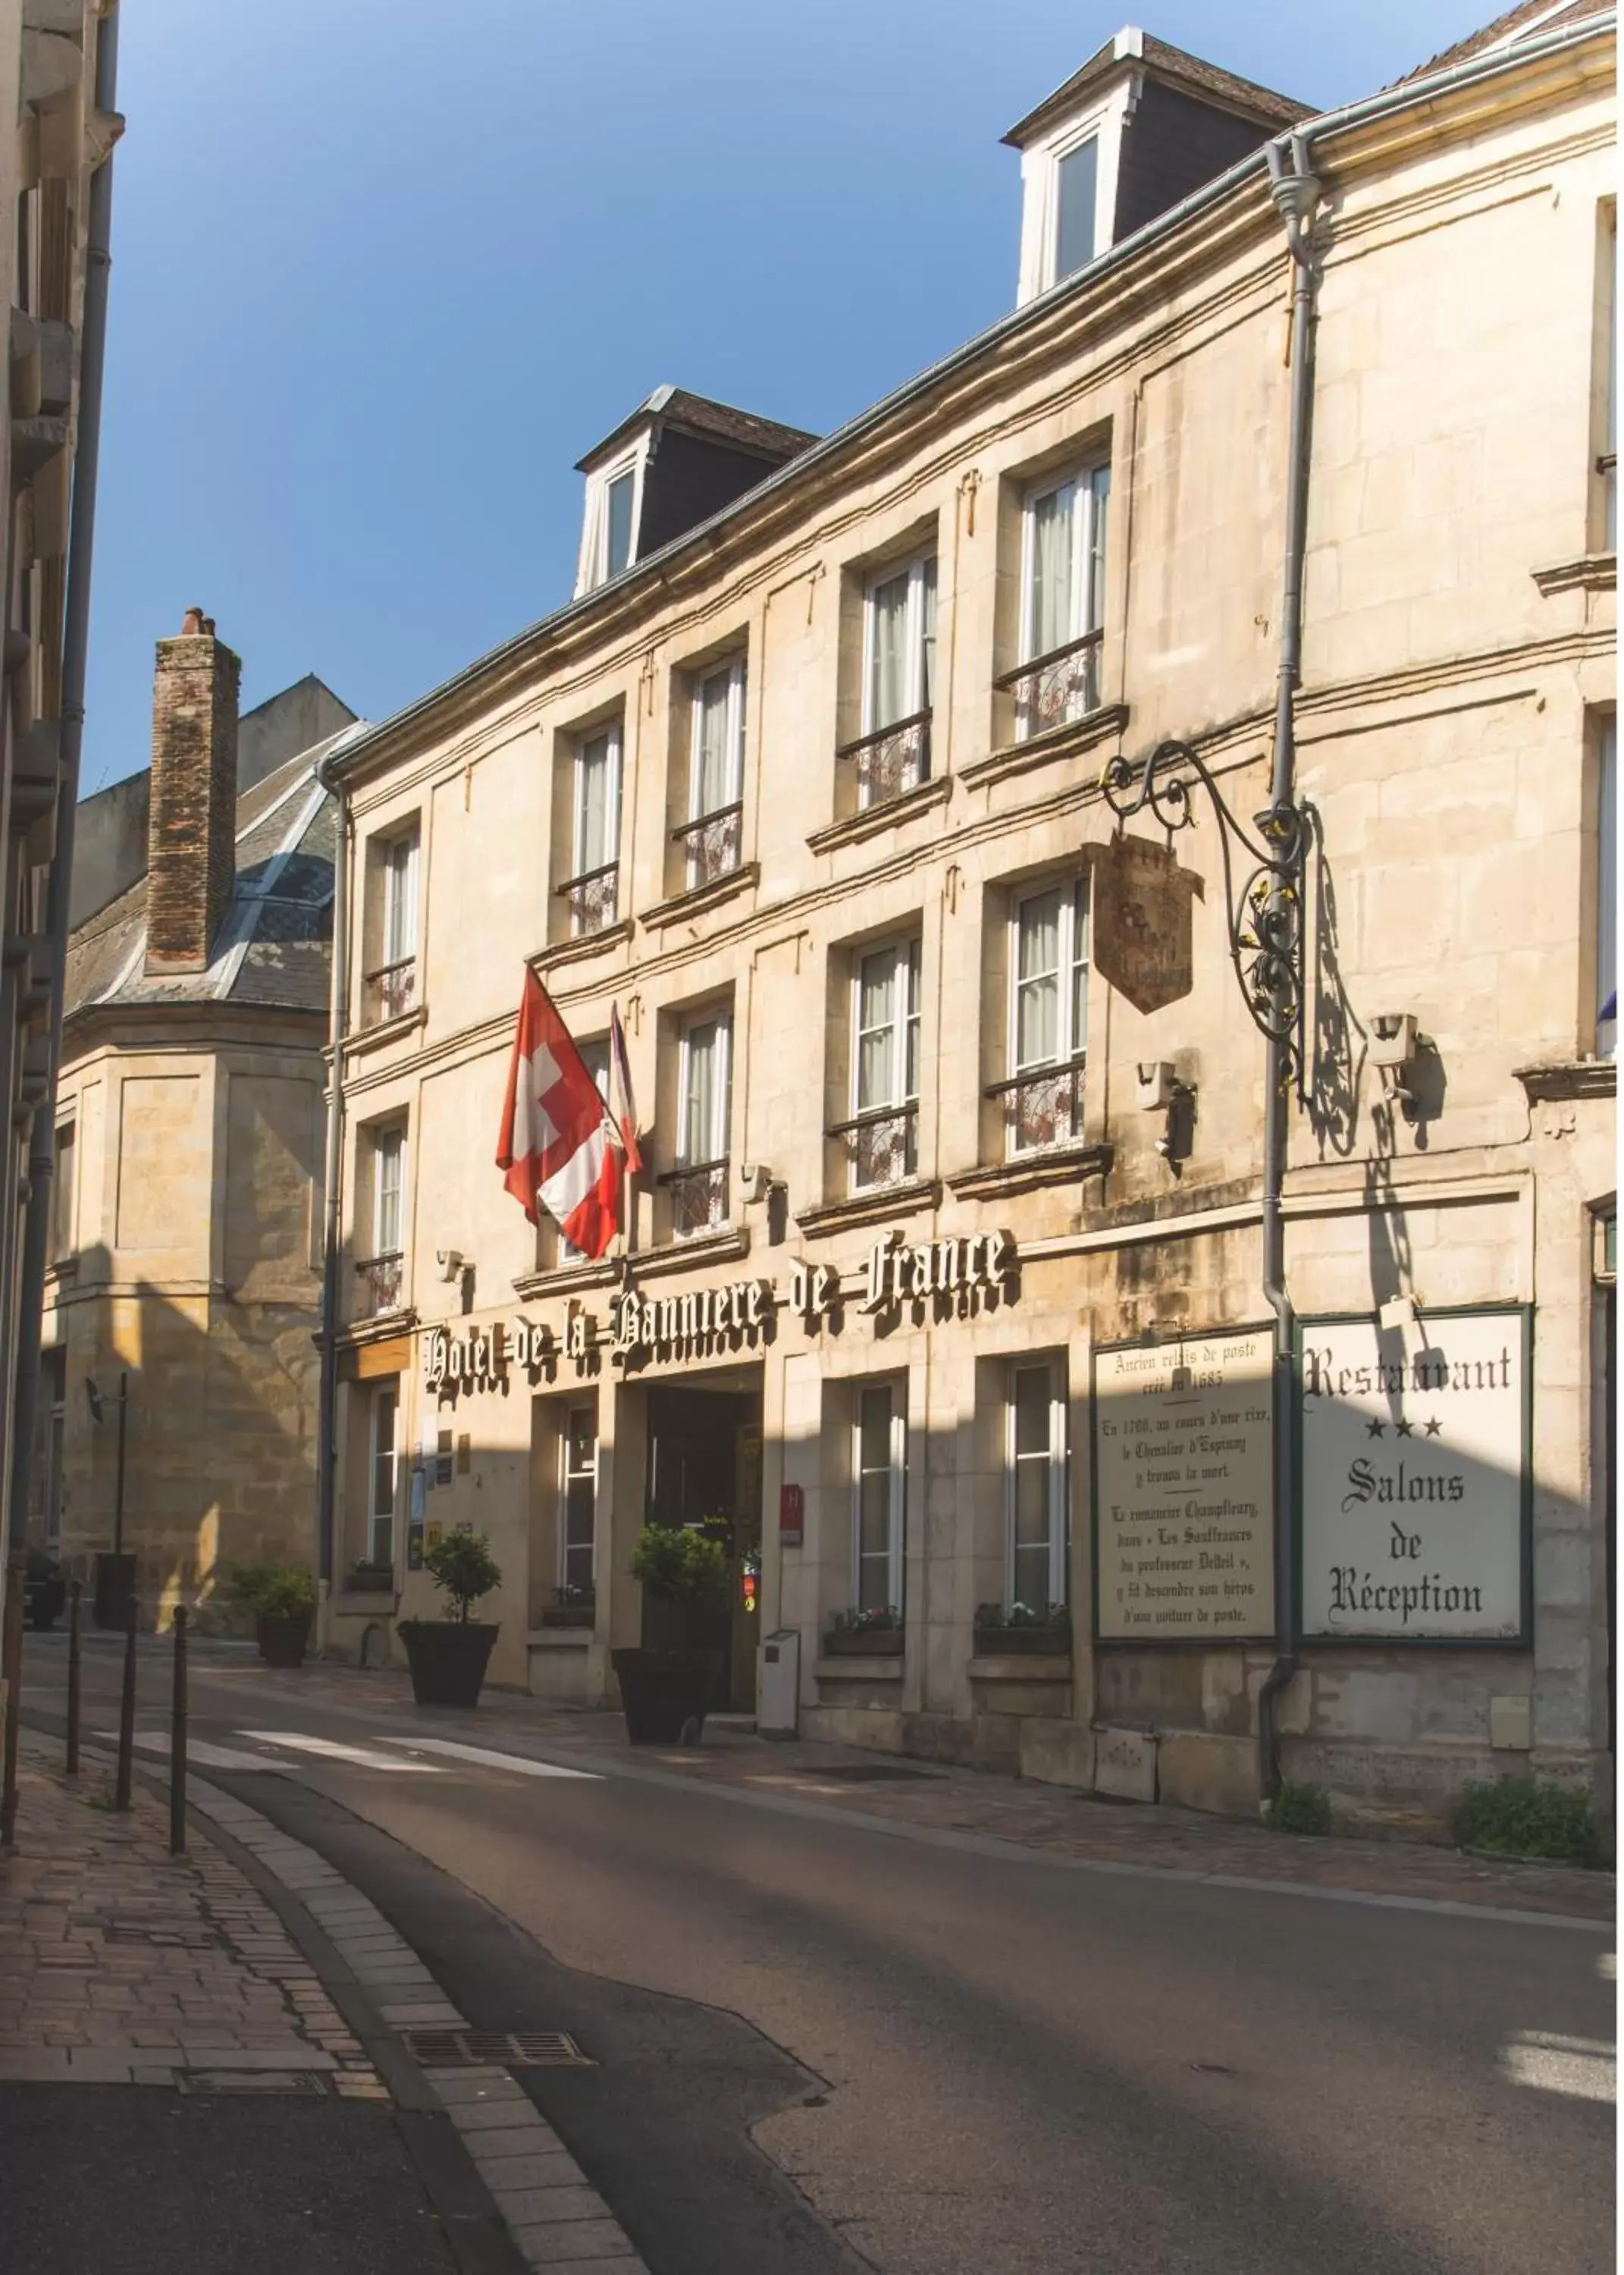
1392,1044
1158,1090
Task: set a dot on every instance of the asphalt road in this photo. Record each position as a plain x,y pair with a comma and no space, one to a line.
818,2045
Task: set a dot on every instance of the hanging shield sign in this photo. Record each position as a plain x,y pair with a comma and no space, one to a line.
1143,932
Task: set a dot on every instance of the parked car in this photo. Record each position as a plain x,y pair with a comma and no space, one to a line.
45,1590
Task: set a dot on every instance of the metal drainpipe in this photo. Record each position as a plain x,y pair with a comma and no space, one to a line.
1295,193
327,1435
75,647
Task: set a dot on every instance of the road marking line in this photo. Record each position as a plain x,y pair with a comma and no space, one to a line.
524,1764
329,1750
198,1751
1584,2068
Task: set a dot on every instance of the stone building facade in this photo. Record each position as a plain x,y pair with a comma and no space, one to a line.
952,1219
184,1267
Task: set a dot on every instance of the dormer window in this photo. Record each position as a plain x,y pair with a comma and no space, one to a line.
1077,205
620,493
609,535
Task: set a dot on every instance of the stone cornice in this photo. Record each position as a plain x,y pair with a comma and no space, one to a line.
852,828
1025,1173
1086,734
577,951
910,1198
378,1037
1592,572
702,898
1576,1078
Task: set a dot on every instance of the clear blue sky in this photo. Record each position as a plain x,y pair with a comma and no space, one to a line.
384,270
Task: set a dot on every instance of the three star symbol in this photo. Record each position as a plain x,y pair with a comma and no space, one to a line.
1401,1429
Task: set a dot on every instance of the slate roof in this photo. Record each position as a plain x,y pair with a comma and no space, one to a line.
1530,20
273,949
1203,79
699,414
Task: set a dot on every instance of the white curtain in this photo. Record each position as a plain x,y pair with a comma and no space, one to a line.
1037,982
1049,626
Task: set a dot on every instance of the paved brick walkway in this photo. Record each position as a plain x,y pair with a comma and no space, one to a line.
119,1963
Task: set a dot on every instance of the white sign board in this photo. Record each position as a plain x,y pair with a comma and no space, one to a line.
1414,1470
1183,1490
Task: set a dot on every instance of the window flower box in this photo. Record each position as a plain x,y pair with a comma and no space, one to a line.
1022,1631
876,1634
570,1607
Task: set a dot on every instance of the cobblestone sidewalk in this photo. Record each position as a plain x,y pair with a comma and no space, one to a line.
120,1963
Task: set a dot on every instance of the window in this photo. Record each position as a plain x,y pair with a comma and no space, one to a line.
893,753
592,890
609,531
1062,599
1035,1489
883,1132
1607,890
578,1532
62,1195
879,1498
620,495
380,1486
595,1058
1048,1018
712,836
391,988
381,1272
1607,444
698,1185
1077,199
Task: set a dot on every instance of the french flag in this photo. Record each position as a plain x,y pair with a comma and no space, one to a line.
558,1147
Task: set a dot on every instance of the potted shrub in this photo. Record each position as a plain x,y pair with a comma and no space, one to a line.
875,1633
1023,1629
449,1656
665,1690
281,1599
572,1606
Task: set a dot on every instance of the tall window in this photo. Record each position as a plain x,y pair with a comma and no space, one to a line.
620,496
716,774
392,988
1608,443
879,1498
1035,1489
1607,889
381,1486
591,888
576,1542
1077,199
382,1272
1063,599
609,529
1048,1017
62,1195
698,1185
883,1132
899,671
595,1059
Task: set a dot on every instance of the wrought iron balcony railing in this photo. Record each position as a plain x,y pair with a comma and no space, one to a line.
881,1144
711,843
389,992
1050,690
698,1196
591,897
379,1282
891,760
1043,1106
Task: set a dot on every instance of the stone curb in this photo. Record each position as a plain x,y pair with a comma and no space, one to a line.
557,2221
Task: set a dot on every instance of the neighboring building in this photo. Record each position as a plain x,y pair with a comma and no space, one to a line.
56,93
954,1197
186,1257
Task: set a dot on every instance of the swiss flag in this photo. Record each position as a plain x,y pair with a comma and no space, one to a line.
557,1146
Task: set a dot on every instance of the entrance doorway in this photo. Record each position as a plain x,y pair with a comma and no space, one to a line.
705,1469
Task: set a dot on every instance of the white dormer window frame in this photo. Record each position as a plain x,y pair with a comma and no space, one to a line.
1101,123
594,567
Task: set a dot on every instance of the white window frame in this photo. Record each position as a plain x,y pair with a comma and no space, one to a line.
1090,480
567,1477
401,902
720,1017
375,1454
733,670
907,957
593,567
1101,121
1054,1458
385,1138
914,570
1606,884
608,731
897,1507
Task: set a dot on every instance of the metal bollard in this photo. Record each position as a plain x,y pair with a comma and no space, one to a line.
12,1672
126,1714
178,1740
76,1588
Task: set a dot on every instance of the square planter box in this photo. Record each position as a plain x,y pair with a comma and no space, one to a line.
1024,1642
862,1642
568,1615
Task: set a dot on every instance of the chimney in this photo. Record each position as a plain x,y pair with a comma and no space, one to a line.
191,846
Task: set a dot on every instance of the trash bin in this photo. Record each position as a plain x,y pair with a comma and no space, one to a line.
115,1586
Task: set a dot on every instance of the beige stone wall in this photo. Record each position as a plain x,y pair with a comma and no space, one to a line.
1446,726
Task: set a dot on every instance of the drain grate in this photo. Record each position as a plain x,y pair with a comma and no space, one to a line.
306,2082
871,1774
523,2049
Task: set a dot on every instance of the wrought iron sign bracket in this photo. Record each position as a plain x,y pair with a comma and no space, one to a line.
1265,917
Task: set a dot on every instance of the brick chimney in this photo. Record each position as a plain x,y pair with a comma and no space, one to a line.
190,847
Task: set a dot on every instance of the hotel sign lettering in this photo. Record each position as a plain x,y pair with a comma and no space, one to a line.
1416,1478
